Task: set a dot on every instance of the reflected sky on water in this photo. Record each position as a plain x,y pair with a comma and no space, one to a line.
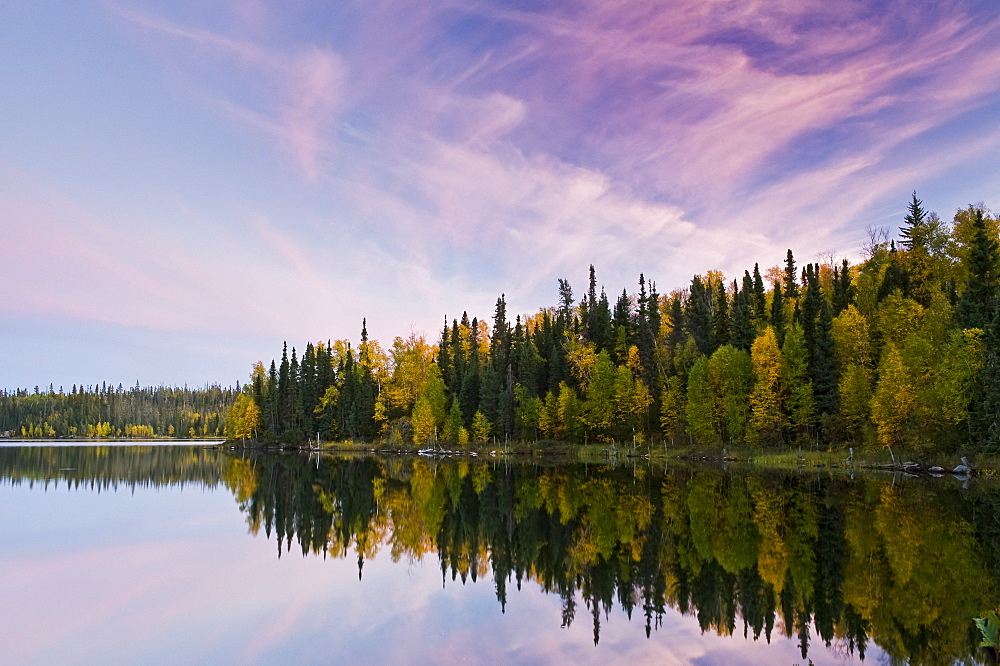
167,573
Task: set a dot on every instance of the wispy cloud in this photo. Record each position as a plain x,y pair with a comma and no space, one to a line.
405,159
572,136
302,89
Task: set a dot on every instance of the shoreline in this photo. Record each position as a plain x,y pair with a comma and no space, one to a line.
786,458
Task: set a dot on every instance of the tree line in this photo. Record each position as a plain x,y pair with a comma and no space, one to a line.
107,411
900,349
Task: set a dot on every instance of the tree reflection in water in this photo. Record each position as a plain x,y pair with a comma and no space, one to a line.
904,563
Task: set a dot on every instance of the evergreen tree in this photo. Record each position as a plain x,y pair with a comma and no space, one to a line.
565,304
500,341
720,319
469,393
603,331
985,407
778,316
622,317
843,288
823,367
915,221
791,287
759,300
896,276
977,306
444,350
589,315
698,315
283,393
742,332
678,330
796,385
810,307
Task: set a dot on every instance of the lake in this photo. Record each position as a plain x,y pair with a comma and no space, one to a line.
188,554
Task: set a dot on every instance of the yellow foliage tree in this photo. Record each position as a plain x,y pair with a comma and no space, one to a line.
765,401
892,404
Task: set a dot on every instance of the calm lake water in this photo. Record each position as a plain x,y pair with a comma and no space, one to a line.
183,554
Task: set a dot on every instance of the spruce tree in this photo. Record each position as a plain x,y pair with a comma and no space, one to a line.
824,364
791,287
444,350
283,393
915,221
698,315
778,316
985,408
843,288
602,329
588,308
742,332
720,318
622,317
759,300
810,307
977,306
677,334
896,276
500,341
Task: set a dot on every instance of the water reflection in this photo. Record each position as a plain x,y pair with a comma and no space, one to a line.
903,563
900,563
111,466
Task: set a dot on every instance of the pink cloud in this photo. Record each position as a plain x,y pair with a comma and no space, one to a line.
582,136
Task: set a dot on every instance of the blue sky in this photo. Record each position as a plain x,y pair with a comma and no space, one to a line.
184,185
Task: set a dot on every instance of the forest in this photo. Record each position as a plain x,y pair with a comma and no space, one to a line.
106,411
900,350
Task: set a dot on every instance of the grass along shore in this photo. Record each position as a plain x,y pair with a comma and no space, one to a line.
768,457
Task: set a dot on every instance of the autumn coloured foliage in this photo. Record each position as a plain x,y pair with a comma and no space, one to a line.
894,351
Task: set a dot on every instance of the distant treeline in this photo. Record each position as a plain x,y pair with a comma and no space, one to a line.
111,467
900,350
109,411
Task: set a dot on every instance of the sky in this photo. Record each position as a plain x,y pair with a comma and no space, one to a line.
186,185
